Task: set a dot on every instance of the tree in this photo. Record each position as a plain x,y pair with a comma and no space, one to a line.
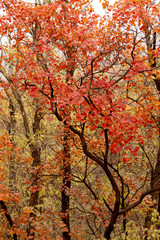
143,31
84,69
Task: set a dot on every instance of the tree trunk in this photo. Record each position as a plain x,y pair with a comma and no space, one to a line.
8,217
155,181
11,131
155,175
66,184
36,155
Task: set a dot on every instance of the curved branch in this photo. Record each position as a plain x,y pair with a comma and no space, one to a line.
139,201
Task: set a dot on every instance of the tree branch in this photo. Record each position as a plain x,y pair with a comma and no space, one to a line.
139,201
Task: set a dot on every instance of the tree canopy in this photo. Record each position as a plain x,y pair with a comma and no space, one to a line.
80,120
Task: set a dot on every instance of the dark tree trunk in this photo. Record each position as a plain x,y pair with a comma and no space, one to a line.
8,216
155,181
114,216
66,184
36,155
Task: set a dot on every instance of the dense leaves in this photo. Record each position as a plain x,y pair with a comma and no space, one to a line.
82,93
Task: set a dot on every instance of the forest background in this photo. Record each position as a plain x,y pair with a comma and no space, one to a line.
79,120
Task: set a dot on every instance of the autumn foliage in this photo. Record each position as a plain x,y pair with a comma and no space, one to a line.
81,129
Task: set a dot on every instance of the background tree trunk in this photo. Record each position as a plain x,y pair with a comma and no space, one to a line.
66,184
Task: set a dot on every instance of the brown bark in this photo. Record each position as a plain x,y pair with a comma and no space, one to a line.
155,182
66,184
36,155
11,131
8,216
